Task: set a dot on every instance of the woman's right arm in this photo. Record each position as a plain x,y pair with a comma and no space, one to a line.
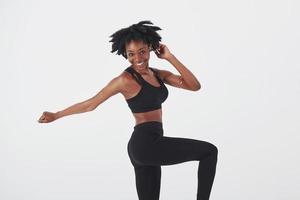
112,88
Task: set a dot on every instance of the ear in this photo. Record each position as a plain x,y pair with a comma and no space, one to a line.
124,55
150,47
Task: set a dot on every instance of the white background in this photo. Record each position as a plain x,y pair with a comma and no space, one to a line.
54,54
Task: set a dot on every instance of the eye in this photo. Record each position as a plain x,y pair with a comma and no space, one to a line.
142,52
130,54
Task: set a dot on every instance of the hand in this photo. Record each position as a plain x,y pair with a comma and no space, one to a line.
47,117
162,52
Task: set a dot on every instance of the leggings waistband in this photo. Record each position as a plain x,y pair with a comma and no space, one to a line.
149,124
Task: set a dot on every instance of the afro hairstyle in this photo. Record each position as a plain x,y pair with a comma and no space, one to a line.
141,31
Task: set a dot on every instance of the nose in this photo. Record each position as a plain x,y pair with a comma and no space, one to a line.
137,58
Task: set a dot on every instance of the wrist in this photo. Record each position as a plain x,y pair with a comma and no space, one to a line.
57,115
170,57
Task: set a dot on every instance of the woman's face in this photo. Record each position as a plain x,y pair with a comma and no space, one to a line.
138,53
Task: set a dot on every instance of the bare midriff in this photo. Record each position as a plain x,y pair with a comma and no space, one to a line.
154,115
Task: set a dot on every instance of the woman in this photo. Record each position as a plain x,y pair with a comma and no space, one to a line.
144,89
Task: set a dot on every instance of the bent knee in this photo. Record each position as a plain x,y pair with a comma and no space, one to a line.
213,149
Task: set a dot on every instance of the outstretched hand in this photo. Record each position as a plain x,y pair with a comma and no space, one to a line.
47,117
162,51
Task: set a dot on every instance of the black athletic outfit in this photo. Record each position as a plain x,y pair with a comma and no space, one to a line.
149,149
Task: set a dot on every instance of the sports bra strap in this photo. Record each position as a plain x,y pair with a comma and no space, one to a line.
135,75
157,76
138,77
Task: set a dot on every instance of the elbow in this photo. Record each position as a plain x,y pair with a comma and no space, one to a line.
91,105
90,108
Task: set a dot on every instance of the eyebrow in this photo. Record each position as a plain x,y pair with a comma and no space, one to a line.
138,50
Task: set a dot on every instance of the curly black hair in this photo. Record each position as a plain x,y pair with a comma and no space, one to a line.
140,31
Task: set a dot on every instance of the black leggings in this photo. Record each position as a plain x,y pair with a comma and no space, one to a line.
148,150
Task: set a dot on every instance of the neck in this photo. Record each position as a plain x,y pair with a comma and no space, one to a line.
142,70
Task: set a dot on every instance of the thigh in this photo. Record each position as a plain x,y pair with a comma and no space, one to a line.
173,150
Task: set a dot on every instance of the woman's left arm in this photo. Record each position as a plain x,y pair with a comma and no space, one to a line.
185,80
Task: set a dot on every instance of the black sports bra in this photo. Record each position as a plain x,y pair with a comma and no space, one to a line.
149,97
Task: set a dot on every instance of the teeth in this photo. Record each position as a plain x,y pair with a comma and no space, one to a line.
140,63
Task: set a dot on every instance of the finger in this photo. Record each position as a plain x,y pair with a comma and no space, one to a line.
157,53
42,117
44,120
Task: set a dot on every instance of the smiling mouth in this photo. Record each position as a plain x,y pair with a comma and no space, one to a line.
139,64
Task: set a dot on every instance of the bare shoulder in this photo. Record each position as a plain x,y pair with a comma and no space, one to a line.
163,74
125,81
171,79
125,78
